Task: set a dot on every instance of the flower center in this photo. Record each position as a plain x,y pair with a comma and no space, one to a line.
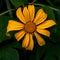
30,27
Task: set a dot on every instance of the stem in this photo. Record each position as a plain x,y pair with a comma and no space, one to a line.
9,8
6,12
33,1
48,6
50,2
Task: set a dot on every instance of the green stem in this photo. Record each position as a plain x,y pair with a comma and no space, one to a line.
6,12
33,1
48,6
9,8
50,2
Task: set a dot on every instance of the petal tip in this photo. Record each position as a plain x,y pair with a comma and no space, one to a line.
42,44
53,22
30,5
29,49
7,34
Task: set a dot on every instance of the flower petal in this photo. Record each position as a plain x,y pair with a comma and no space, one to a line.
26,14
19,35
14,25
20,15
25,41
46,24
40,40
31,43
40,17
44,32
31,10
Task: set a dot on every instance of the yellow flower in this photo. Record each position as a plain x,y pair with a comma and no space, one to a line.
30,25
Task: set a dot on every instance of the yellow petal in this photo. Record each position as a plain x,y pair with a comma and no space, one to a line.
40,40
25,41
31,43
43,18
44,32
31,10
46,24
20,15
14,25
19,35
26,14
40,17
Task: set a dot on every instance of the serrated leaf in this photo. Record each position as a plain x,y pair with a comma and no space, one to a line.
18,3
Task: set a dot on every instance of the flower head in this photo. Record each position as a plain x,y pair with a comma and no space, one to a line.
31,25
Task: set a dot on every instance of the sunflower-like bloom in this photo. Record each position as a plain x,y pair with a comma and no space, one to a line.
30,26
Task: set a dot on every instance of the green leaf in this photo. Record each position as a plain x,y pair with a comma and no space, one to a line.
52,51
18,3
40,52
15,44
8,53
49,57
57,35
9,50
49,12
57,48
3,25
